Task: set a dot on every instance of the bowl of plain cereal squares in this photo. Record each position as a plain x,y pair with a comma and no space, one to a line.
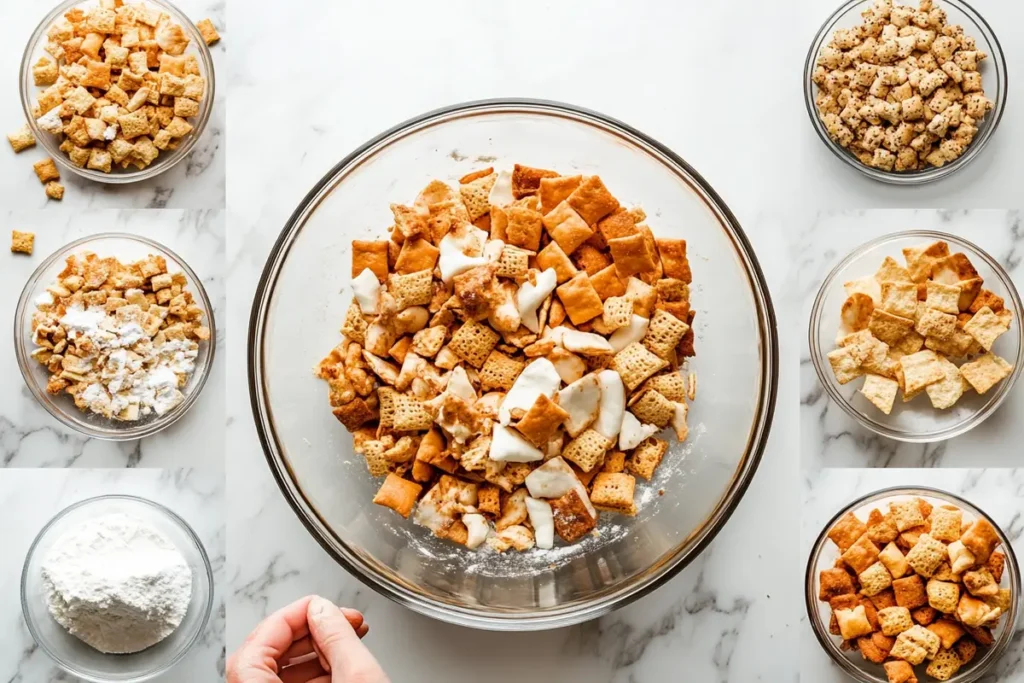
475,359
905,94
117,92
913,584
916,335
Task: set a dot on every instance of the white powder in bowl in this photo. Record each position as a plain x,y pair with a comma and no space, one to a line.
117,584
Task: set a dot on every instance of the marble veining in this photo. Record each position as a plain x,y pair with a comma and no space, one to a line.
197,495
29,436
198,182
831,438
824,493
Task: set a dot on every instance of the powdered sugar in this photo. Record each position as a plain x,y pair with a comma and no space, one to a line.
117,583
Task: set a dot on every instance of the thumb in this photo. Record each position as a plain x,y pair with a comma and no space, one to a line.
338,643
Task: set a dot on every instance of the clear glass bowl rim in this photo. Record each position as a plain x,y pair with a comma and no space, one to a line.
915,177
171,515
121,177
825,377
825,639
25,362
478,618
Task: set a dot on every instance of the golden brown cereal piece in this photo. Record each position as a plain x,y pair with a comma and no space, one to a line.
635,364
933,323
526,180
21,139
673,259
210,36
874,579
942,297
553,257
981,539
54,190
922,258
619,223
631,255
524,227
946,522
587,450
410,221
996,564
489,500
892,271
22,242
580,299
942,595
985,327
889,328
919,370
664,333
614,461
985,372
853,623
646,457
894,620
947,391
845,364
671,385
899,671
591,259
948,632
976,613
45,71
614,492
846,531
499,371
986,298
653,408
592,200
566,227
915,645
861,555
834,582
398,494
554,190
134,124
541,421
410,414
980,583
607,283
571,516
899,298
372,255
414,289
473,342
476,194
354,414
514,262
46,170
618,312
428,341
417,254
926,556
944,665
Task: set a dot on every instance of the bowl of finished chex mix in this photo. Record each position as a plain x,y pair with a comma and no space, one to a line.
913,584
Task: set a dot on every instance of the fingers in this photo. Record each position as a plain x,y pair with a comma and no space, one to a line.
338,643
300,648
302,673
258,656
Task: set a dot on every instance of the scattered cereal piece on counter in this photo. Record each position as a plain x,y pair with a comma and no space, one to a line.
46,169
21,139
22,242
54,190
208,31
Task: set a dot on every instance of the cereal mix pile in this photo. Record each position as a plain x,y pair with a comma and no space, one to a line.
510,355
914,584
121,338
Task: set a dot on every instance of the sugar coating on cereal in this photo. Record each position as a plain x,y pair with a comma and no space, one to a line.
122,339
926,327
928,601
493,367
903,90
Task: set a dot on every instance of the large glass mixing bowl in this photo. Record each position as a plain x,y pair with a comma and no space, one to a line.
301,300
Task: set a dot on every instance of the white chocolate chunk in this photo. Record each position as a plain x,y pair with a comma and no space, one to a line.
539,377
543,522
508,446
366,290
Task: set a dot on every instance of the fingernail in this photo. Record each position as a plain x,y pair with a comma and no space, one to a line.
317,607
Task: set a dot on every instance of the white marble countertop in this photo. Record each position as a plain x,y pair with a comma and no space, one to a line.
995,491
30,436
831,438
39,494
198,182
731,615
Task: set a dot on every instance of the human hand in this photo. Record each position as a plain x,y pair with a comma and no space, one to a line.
309,641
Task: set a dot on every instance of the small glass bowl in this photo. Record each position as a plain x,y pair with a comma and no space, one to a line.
83,661
916,421
167,159
993,75
126,247
824,554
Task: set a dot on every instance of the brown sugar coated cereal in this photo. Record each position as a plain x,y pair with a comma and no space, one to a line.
511,349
